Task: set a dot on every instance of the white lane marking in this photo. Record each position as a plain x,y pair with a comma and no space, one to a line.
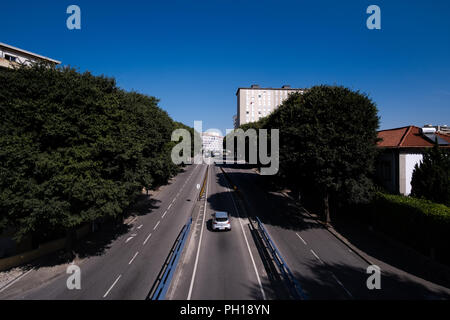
109,290
340,283
169,206
199,244
134,257
140,226
248,247
147,239
334,277
157,224
164,214
301,238
315,255
129,239
15,280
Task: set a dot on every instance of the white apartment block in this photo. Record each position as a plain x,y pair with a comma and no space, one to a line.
255,103
212,141
11,56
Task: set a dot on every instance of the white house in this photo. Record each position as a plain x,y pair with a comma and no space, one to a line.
403,148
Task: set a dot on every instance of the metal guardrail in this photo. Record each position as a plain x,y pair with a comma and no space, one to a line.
162,283
294,286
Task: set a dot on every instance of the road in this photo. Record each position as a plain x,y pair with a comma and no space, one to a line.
129,264
322,264
221,265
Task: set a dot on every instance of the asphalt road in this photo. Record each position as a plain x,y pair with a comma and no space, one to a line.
127,266
220,265
322,264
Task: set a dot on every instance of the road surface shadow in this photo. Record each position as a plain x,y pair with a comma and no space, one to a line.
275,209
97,243
392,252
353,285
270,207
145,205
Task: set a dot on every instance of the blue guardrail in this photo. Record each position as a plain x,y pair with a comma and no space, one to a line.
171,264
294,286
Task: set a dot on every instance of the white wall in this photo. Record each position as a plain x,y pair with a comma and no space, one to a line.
23,59
410,161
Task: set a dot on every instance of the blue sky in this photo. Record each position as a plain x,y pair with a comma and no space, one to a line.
193,55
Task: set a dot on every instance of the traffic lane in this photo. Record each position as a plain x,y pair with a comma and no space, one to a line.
151,255
115,283
333,256
225,269
99,271
317,279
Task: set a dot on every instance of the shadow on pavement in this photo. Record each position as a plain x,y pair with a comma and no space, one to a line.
324,287
275,209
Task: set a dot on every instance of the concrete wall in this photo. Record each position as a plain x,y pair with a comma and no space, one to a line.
410,161
407,162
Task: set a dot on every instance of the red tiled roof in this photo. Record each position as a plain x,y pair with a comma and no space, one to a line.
405,137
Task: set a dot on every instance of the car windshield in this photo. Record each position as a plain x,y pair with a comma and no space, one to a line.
221,219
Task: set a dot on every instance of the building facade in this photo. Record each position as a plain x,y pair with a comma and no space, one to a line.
212,142
255,103
11,56
401,149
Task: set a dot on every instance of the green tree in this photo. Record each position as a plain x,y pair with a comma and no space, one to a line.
328,141
431,179
75,148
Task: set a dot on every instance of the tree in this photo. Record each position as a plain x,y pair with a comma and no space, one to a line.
328,141
75,148
431,179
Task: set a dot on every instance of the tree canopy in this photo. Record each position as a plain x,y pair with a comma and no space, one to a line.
75,148
328,141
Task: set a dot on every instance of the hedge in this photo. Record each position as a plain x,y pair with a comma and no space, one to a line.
419,223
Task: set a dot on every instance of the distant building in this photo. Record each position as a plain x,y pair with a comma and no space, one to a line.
11,56
255,103
403,148
212,142
235,122
439,129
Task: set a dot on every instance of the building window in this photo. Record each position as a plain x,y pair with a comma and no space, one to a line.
10,58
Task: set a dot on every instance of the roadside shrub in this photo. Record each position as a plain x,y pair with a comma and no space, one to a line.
419,223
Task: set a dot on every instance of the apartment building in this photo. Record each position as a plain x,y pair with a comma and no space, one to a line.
255,102
11,56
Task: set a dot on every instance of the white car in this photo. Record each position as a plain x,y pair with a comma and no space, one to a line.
221,221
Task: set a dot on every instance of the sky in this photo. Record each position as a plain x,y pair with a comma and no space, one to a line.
194,55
